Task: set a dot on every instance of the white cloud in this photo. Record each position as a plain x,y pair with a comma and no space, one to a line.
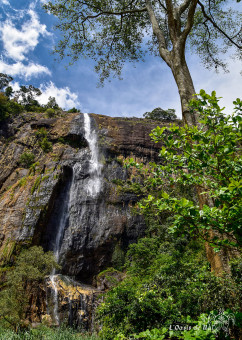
19,42
64,97
227,85
4,2
26,71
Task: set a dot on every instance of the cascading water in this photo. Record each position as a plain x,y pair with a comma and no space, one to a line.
94,182
56,250
80,191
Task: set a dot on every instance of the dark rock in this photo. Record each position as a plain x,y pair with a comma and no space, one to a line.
46,123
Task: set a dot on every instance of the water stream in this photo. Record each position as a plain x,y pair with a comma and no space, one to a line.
90,187
94,182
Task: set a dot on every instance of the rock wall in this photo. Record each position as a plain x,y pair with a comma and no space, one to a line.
33,197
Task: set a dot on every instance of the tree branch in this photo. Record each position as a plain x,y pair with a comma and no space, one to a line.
171,21
184,6
211,20
115,13
190,19
164,53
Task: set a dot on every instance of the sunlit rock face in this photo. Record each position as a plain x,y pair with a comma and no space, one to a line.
69,201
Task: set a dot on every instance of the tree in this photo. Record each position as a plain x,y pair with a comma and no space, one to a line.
4,80
160,114
8,91
112,32
31,267
208,158
26,96
52,104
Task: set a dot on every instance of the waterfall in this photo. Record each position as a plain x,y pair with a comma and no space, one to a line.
90,187
56,249
94,183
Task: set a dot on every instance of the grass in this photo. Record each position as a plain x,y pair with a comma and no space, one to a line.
45,333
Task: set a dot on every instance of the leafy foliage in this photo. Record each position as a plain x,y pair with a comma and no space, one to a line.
52,104
45,333
50,112
168,279
160,114
27,159
8,107
208,157
31,266
166,282
26,96
112,32
73,110
4,80
44,143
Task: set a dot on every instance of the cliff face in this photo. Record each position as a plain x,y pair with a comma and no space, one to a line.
58,190
35,197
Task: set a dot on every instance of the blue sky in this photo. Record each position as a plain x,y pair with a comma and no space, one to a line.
27,38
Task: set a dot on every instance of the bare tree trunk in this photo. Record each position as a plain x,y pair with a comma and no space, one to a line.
185,86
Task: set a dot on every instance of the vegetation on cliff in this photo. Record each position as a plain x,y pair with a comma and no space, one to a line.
169,279
22,281
166,276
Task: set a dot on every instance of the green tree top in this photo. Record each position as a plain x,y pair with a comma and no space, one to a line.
160,114
112,32
208,158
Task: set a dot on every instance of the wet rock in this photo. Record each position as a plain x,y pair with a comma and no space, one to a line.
33,200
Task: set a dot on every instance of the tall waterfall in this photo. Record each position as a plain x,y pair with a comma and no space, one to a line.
94,182
90,187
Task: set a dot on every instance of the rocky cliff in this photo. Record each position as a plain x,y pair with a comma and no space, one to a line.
48,178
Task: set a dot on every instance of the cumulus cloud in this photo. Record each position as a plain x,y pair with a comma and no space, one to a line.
64,97
4,2
25,71
19,42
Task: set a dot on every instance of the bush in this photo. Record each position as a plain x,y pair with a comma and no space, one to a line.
166,281
73,110
27,159
3,107
31,267
8,107
45,145
160,114
50,112
42,136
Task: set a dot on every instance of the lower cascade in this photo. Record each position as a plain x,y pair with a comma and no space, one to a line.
73,299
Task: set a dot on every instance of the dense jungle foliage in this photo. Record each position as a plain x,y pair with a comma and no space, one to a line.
168,278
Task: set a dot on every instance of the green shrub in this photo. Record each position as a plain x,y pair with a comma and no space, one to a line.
73,110
4,114
50,112
166,281
45,145
27,159
45,333
41,133
160,114
30,269
42,136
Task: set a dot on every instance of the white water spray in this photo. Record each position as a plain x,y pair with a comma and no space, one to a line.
94,182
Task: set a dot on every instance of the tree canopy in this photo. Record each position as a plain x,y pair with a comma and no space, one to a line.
208,158
112,32
160,114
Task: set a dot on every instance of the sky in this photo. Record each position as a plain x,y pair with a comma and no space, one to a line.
27,39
